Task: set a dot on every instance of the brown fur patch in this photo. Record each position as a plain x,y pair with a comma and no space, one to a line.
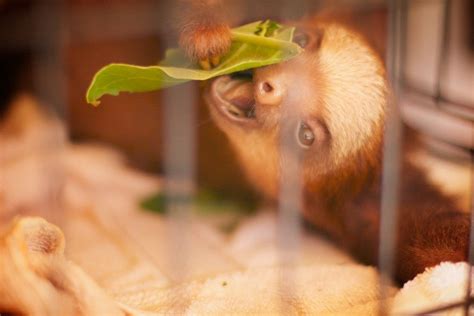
204,29
342,83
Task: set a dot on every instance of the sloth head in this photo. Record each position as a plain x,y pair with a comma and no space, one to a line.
326,107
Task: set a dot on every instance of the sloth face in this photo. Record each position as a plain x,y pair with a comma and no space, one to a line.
325,108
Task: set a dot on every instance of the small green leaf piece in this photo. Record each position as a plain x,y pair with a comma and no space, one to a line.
155,203
267,28
248,50
206,201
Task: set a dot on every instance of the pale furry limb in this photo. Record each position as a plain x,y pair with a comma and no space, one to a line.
36,278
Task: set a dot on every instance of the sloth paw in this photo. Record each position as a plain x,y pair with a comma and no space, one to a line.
206,43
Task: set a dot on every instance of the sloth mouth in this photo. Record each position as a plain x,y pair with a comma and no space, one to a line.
233,97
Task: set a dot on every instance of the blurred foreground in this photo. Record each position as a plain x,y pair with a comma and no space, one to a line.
125,260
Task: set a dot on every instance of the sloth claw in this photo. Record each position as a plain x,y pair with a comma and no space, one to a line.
209,63
205,64
215,60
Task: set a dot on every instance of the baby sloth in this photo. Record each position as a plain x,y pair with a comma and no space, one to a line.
331,102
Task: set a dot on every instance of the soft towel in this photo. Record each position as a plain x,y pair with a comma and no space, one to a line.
147,264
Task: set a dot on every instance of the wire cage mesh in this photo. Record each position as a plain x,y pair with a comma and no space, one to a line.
52,26
433,54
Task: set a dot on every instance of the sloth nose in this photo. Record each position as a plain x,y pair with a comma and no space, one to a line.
269,91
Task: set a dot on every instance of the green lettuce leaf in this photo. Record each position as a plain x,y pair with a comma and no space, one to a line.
253,45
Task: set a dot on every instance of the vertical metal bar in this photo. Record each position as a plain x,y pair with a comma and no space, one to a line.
443,63
47,42
48,46
289,207
391,156
470,24
471,233
179,167
291,184
471,238
179,123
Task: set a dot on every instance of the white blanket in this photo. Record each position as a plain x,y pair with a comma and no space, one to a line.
151,264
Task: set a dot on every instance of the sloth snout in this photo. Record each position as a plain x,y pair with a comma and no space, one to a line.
269,91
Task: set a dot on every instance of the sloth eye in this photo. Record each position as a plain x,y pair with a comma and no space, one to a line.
305,136
301,38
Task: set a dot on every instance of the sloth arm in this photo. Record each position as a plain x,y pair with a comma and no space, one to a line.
204,27
431,228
